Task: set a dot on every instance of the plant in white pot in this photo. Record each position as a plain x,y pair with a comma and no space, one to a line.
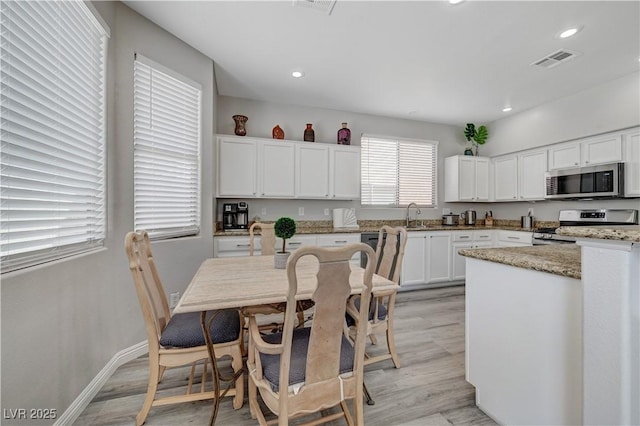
285,228
476,136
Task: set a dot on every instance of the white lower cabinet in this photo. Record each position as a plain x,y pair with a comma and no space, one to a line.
432,257
415,255
513,238
464,240
340,240
239,246
438,262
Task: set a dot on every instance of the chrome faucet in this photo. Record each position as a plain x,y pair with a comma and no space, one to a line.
417,211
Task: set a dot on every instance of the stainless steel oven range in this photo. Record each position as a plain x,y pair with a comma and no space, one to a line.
591,217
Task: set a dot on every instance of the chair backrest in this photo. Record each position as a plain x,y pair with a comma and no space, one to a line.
267,238
151,295
390,252
330,297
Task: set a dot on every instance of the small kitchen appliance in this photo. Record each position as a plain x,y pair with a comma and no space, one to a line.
594,217
527,222
450,219
469,217
235,215
243,216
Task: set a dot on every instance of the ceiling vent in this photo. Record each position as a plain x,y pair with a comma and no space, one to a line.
324,6
556,58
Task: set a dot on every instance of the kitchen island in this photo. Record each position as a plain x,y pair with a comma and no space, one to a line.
553,332
523,333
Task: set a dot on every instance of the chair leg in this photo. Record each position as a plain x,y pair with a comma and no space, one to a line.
154,376
391,344
367,395
236,363
347,414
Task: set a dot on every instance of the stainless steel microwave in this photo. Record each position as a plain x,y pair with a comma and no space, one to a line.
601,181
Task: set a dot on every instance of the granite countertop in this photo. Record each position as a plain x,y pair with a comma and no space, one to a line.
558,259
326,227
603,232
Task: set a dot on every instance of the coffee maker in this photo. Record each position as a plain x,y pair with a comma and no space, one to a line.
235,215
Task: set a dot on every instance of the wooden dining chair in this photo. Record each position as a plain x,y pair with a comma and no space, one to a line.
305,370
389,253
267,238
178,340
268,248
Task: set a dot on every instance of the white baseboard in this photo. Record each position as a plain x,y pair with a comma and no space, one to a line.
86,396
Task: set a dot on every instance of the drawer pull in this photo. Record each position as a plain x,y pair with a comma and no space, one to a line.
340,241
462,237
294,243
513,238
242,245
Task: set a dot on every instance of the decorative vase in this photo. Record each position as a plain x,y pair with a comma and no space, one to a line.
344,135
309,134
280,259
240,120
277,132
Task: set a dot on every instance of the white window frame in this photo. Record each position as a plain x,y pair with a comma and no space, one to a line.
397,171
167,151
53,147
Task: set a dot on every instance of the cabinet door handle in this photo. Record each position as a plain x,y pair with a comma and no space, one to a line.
340,241
513,238
462,237
294,243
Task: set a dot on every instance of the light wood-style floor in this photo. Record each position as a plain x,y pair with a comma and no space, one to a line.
428,389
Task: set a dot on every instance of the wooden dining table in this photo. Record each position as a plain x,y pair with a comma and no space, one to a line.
238,282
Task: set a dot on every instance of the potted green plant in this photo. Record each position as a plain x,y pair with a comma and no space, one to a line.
476,136
285,228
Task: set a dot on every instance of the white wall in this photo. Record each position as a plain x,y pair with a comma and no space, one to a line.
62,322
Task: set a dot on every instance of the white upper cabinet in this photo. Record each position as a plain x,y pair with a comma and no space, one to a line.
631,140
586,152
520,177
256,167
278,169
532,166
466,178
505,172
237,167
312,171
345,172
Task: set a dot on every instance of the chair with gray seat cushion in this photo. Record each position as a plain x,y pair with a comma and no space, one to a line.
178,340
307,370
390,253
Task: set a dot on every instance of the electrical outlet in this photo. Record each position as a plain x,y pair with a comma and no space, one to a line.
446,210
173,299
300,211
263,211
326,212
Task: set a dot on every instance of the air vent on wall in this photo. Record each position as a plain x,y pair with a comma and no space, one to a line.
556,58
325,6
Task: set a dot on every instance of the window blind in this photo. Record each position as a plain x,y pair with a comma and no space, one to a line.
166,151
396,172
52,152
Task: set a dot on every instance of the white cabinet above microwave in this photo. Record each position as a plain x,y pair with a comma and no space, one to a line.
591,151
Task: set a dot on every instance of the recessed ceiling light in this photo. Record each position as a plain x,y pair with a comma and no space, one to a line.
297,74
455,1
506,109
569,32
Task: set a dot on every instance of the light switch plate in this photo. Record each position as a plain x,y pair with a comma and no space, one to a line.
301,211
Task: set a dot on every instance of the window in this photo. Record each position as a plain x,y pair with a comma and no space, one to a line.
52,154
396,172
166,151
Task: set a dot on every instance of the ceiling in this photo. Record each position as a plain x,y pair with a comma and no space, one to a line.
420,60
